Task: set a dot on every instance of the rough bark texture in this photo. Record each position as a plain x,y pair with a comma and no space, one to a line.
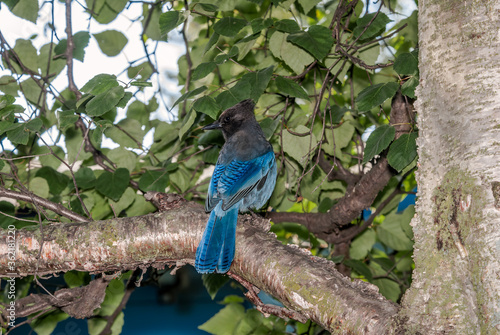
304,283
456,282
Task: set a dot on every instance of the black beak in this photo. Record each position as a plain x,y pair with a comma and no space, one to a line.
215,125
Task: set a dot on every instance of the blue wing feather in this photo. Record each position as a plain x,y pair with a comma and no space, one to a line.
212,198
234,187
241,177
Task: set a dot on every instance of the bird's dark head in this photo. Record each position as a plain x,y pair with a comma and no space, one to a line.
234,118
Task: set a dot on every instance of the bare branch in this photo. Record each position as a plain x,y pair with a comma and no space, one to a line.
36,200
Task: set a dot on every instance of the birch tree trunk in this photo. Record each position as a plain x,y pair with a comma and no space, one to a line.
456,283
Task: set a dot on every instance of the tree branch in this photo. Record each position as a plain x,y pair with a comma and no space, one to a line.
359,196
326,297
78,302
35,199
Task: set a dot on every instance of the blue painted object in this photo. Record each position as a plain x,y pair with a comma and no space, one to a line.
244,178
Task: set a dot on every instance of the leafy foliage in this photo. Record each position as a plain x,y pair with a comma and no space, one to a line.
322,81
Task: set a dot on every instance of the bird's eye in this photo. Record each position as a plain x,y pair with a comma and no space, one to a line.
227,118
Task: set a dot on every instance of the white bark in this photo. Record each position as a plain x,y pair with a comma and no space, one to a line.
456,283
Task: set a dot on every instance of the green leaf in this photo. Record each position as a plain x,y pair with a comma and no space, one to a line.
112,185
46,324
408,88
225,321
232,298
269,125
8,85
27,54
40,187
154,181
56,180
142,71
362,244
388,288
410,32
403,261
105,11
181,178
339,138
374,29
6,208
76,278
129,134
337,113
137,110
207,6
208,106
260,24
187,125
85,178
408,213
126,98
221,58
325,205
56,64
169,21
294,57
287,26
100,84
189,94
111,42
25,9
6,100
378,141
317,41
124,158
229,26
96,325
251,85
105,101
18,134
403,151
140,206
67,119
258,82
125,201
231,97
80,39
34,125
407,63
299,147
203,70
32,91
49,159
307,5
213,282
114,295
360,268
291,88
211,42
141,84
375,95
391,233
211,155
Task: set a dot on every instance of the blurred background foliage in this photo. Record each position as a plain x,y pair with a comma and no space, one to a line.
323,74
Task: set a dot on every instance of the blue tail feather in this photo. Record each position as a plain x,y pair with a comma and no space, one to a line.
227,252
216,249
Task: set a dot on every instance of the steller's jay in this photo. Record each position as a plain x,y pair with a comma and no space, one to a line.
244,178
